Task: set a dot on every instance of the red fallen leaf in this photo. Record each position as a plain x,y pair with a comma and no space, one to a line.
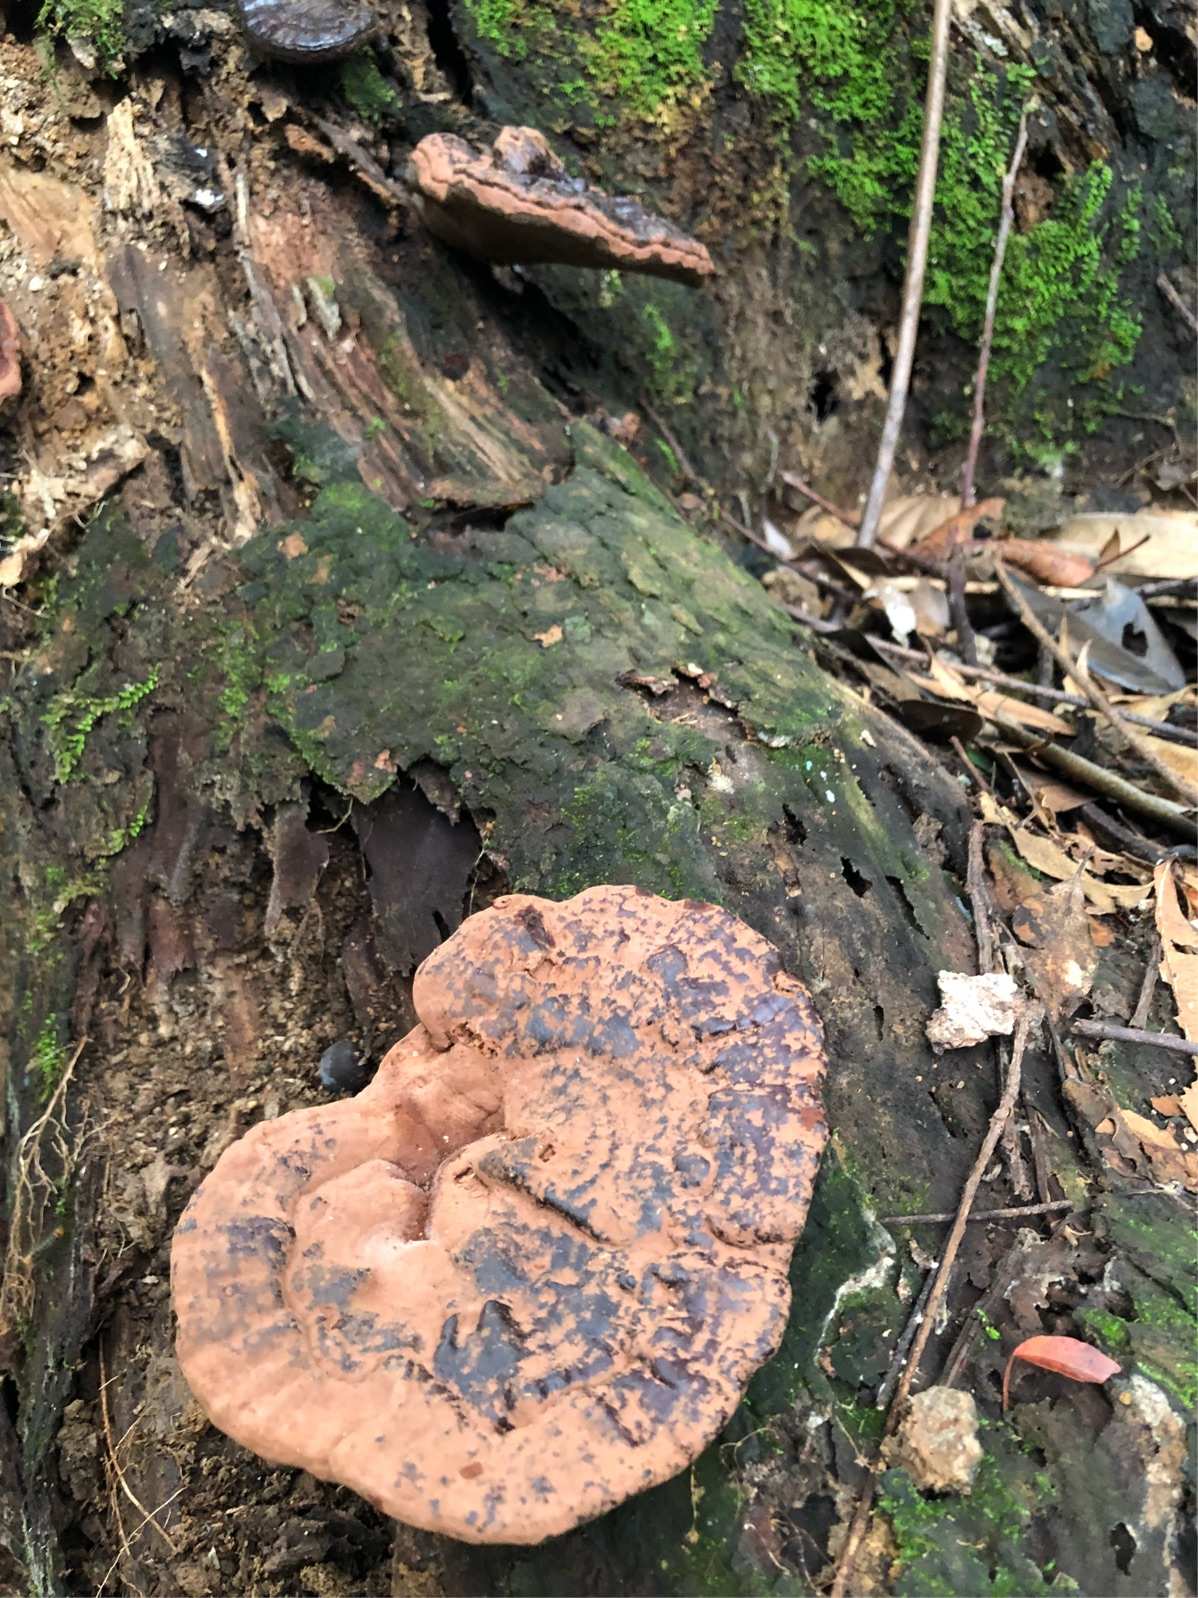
1067,1356
1062,568
958,529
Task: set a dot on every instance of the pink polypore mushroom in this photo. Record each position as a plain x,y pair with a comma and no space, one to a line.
515,203
529,1270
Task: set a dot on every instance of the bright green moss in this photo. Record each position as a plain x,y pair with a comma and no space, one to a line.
499,22
71,717
98,23
365,89
647,55
1062,317
650,52
48,1058
836,54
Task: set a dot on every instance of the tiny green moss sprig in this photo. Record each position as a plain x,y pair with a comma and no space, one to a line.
71,716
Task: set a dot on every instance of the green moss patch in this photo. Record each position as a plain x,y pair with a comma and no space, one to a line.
99,24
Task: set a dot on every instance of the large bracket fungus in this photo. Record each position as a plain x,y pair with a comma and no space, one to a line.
529,1270
515,203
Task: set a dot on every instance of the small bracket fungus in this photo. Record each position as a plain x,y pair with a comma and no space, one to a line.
529,1270
516,203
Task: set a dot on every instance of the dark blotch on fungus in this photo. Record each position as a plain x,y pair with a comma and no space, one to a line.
549,1243
516,203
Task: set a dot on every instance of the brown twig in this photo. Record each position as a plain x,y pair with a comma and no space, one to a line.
1147,992
1058,696
957,609
1134,1034
860,1521
903,1347
1176,301
979,899
917,256
1005,221
1174,816
1013,1212
848,518
1094,693
1132,843
118,1475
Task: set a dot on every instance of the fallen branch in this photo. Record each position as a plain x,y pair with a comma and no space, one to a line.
917,256
1094,693
1174,816
1152,975
1058,696
1013,1212
903,1347
1176,301
998,1121
847,518
1133,1034
1005,222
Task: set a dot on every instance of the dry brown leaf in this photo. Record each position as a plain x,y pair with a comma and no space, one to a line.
948,684
551,635
1151,1149
1170,922
1179,967
1166,1104
1052,860
1051,793
1180,971
1060,956
1171,549
1189,1104
957,529
1181,759
905,520
995,815
1047,563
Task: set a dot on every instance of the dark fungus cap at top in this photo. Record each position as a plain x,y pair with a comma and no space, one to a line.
530,1269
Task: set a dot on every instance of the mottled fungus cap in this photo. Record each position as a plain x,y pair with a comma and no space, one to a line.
516,203
529,1270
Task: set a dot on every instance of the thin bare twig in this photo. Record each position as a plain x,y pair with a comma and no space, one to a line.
1147,992
917,256
1012,1212
979,899
1174,816
1094,693
1134,1034
1176,301
1058,696
671,438
848,518
118,1474
860,1521
1111,832
1005,222
903,1347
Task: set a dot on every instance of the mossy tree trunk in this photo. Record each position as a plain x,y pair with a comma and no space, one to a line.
378,620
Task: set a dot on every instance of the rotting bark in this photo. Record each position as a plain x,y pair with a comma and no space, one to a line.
373,627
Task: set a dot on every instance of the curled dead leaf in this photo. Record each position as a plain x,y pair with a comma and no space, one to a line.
1058,568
